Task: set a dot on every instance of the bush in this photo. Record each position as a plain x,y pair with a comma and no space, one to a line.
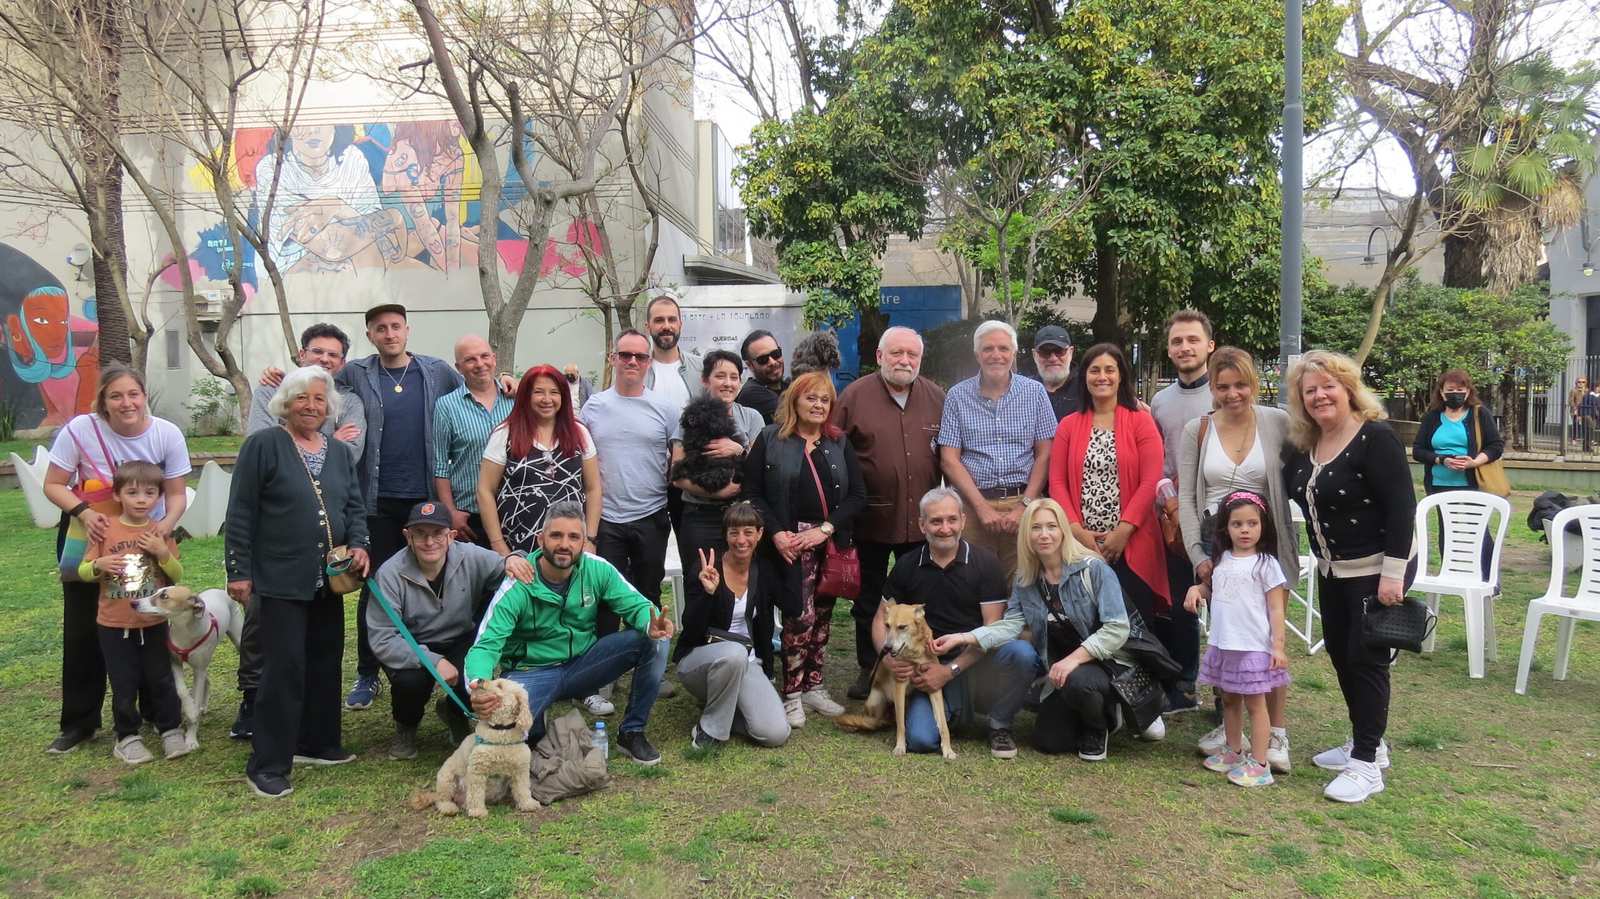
212,407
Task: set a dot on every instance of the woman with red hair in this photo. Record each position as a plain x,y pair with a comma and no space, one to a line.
539,456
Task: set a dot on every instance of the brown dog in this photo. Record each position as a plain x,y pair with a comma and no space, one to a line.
496,751
910,640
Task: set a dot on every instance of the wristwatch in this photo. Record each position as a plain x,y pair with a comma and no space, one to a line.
955,668
826,529
1028,500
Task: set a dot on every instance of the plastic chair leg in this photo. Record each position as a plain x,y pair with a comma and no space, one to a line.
1474,609
1564,646
1433,603
1490,639
1530,636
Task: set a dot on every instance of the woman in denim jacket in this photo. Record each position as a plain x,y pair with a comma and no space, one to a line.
1067,605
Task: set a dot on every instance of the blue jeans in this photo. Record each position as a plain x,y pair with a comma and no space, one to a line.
998,684
606,660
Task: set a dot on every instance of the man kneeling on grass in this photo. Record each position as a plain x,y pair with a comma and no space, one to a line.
542,634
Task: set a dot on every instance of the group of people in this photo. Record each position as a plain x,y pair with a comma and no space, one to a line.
519,528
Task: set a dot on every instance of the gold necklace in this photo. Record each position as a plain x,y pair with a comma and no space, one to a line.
397,385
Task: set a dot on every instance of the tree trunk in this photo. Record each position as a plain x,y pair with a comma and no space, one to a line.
1107,322
103,179
1463,257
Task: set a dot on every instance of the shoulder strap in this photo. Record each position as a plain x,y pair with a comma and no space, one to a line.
821,493
1477,426
1205,422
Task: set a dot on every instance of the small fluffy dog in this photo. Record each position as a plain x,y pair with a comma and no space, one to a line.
497,750
910,640
704,420
196,623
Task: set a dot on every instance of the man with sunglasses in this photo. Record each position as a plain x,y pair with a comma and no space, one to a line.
1052,356
764,358
632,429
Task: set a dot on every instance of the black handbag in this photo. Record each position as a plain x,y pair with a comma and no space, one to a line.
718,635
1406,625
1141,694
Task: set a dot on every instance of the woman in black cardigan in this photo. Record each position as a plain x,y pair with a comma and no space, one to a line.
786,465
1448,443
724,655
1349,473
295,496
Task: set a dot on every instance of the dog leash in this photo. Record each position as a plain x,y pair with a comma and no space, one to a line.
427,664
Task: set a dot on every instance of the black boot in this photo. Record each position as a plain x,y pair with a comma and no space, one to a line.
244,723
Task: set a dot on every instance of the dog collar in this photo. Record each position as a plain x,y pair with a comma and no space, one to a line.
182,653
501,726
478,740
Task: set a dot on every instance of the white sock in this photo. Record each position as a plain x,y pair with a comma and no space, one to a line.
1281,732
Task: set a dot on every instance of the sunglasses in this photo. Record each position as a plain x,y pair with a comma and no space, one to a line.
631,357
1051,351
764,358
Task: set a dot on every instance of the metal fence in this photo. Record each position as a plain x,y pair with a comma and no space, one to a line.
1554,416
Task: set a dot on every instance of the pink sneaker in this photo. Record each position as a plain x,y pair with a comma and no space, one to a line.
1251,773
1224,761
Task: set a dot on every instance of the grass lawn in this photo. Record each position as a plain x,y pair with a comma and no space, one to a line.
227,443
1491,794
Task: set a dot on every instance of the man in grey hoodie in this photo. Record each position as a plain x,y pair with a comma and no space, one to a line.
439,587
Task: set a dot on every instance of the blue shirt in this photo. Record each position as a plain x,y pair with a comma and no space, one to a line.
996,437
1450,439
461,429
404,472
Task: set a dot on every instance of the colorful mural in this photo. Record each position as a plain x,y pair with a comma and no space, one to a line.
53,355
377,196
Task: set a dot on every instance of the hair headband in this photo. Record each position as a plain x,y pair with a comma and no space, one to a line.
1247,496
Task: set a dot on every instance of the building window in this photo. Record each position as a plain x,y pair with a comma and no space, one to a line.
174,348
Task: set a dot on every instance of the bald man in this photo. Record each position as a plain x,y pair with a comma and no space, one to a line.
462,420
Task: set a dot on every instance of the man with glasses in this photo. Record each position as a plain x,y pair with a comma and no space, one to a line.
439,587
632,429
1052,356
764,358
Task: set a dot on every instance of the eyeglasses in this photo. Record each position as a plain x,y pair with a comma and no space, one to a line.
429,536
1052,351
764,358
638,358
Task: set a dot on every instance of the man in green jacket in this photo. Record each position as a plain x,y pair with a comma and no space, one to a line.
542,634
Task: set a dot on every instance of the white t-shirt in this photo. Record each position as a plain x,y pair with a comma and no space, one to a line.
161,443
669,386
1239,588
495,450
1222,477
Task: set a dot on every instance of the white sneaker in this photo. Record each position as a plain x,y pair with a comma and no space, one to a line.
1215,742
1278,753
1337,758
1156,732
1355,783
820,702
794,710
131,749
598,705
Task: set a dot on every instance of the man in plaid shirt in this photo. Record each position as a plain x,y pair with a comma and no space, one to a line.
994,442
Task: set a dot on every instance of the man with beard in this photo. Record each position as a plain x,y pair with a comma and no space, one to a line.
1052,355
764,359
1189,346
892,421
542,635
674,373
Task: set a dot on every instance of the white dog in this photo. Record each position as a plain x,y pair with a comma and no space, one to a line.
496,756
196,623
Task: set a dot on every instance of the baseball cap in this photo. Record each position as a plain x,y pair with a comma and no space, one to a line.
428,512
1052,335
381,308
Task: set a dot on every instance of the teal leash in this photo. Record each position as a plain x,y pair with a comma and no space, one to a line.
427,664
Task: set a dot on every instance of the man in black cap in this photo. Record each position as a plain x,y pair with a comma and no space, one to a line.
1052,354
439,587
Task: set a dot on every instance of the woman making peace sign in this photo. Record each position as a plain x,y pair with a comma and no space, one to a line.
725,653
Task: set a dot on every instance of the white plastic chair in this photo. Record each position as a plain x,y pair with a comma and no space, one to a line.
1466,517
1304,593
1583,604
208,503
674,572
30,477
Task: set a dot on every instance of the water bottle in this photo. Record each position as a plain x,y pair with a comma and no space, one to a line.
600,742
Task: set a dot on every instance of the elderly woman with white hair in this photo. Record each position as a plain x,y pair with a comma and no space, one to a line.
295,497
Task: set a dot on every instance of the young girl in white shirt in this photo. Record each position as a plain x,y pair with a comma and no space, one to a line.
1245,659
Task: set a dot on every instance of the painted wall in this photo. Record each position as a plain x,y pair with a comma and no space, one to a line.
52,350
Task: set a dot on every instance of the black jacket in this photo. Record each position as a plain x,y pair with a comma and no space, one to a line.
775,472
701,612
1494,446
274,535
1362,521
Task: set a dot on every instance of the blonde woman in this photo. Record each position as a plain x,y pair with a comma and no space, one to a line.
1350,475
1066,609
1237,447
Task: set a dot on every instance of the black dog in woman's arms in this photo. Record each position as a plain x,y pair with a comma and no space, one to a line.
704,420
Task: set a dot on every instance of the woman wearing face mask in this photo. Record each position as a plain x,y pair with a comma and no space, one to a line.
1448,442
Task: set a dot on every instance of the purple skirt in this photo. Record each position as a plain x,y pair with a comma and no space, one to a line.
1241,671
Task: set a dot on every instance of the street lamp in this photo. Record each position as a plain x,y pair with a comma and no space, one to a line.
1369,259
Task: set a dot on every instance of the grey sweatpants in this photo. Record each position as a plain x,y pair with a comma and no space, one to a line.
737,694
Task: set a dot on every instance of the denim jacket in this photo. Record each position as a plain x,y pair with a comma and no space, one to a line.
361,375
1092,599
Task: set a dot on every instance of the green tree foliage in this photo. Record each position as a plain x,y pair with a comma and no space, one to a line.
1430,329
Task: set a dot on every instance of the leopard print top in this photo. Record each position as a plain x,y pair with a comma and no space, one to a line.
1102,496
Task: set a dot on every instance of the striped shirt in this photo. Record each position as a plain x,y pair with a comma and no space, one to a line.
996,437
461,429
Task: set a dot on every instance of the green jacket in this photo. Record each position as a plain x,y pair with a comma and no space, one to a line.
532,626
